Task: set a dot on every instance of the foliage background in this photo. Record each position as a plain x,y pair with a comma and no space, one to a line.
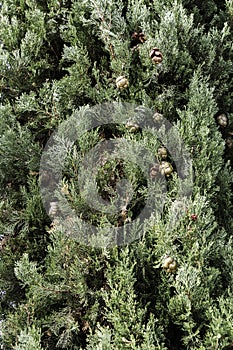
56,58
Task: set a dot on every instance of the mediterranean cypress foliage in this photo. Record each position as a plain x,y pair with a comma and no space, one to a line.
171,286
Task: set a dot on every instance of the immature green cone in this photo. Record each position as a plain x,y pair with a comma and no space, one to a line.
166,168
162,152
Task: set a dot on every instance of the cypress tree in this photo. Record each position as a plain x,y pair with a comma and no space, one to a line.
169,287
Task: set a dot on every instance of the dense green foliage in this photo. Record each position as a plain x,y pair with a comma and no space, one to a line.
60,57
